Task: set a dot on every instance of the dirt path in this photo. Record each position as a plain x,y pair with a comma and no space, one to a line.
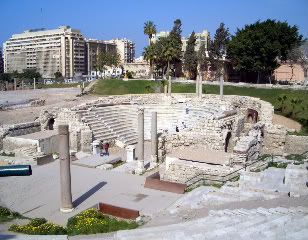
287,122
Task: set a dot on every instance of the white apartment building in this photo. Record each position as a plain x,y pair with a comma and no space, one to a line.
47,51
126,49
201,37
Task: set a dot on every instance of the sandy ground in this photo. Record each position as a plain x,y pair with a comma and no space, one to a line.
56,97
287,122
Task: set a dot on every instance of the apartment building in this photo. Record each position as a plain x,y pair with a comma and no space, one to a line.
92,48
201,37
126,49
1,62
47,51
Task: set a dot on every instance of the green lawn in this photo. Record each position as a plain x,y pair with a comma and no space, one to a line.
298,111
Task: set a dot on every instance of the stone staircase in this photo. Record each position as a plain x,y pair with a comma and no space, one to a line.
111,123
269,184
260,223
119,122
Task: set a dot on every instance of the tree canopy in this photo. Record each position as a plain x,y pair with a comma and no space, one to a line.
149,29
260,46
190,57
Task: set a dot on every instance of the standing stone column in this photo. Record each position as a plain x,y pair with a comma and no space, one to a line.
221,87
169,86
34,83
140,168
15,84
65,170
197,87
165,89
200,88
154,142
22,84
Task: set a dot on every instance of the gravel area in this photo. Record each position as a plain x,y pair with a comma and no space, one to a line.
54,97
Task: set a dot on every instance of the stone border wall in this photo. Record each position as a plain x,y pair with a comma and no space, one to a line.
18,129
296,144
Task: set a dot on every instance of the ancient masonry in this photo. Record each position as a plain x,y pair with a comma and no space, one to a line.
237,125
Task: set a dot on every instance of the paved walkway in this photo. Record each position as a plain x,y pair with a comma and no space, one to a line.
39,195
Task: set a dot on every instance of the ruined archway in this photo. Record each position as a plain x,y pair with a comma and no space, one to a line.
227,141
252,116
50,124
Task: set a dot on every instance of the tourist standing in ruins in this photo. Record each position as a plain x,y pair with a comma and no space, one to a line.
106,147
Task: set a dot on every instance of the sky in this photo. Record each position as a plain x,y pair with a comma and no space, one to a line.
104,20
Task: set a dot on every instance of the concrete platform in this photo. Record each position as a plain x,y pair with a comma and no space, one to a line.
39,195
94,161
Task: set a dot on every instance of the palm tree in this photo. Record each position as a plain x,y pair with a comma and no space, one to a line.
149,55
149,29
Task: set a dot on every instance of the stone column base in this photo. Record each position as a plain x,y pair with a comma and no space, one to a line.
66,210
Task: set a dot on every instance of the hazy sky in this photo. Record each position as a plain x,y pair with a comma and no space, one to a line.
104,20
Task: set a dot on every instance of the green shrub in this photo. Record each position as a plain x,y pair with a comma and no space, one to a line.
8,215
38,226
92,221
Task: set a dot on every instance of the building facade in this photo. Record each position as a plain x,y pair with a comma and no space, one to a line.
92,50
126,49
201,37
47,51
1,61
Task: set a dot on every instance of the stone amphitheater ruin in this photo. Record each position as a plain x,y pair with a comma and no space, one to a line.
200,141
198,137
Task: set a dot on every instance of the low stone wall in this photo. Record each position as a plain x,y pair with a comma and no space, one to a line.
12,143
296,144
17,130
181,171
274,139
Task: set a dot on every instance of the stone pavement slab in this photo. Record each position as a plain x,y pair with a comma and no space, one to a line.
94,161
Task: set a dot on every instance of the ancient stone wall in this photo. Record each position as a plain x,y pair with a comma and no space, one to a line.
182,171
274,139
296,144
80,134
18,129
247,148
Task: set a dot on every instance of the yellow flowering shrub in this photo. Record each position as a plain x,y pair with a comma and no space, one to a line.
38,226
92,221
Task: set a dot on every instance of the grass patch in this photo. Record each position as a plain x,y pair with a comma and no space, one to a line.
264,157
277,165
296,157
216,185
118,163
92,221
7,215
38,226
7,154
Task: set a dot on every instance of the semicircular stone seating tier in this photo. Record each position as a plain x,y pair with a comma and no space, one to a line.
120,122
